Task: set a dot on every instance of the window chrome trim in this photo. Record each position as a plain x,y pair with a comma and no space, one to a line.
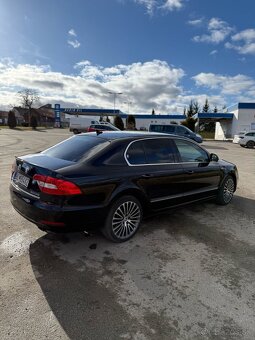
193,192
170,163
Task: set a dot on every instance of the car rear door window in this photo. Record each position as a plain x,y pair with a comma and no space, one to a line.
135,153
190,152
159,150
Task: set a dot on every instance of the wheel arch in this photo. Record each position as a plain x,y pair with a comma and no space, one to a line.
138,194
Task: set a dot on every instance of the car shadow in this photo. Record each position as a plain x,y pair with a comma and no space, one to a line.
70,269
84,307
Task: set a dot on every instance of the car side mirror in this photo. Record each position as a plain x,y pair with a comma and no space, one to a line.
213,157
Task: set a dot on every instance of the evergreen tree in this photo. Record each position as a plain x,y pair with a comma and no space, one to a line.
190,110
130,123
184,111
196,107
206,107
118,122
108,119
215,110
101,119
153,112
189,122
12,122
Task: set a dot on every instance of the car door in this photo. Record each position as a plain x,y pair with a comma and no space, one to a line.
158,174
201,177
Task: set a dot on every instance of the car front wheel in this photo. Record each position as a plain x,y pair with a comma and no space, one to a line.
250,144
226,191
123,219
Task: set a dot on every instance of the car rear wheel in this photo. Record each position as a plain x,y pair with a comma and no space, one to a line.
123,219
250,144
75,131
226,191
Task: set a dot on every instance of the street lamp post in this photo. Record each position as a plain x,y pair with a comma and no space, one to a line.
115,94
129,103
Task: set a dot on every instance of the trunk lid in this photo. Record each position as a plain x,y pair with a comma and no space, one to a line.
26,167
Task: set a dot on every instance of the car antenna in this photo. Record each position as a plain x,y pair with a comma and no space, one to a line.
99,132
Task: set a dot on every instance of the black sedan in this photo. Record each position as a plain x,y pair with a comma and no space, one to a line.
112,179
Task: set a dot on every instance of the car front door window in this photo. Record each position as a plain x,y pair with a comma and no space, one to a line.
190,152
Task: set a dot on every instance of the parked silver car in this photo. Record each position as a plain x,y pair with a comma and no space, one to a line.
248,140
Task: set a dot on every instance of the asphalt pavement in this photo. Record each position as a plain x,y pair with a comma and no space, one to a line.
187,274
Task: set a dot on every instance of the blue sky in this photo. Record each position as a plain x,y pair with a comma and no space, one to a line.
159,53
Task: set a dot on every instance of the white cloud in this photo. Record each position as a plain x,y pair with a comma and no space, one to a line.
243,42
75,43
166,5
247,35
238,85
150,84
213,52
171,5
218,31
72,41
72,32
196,22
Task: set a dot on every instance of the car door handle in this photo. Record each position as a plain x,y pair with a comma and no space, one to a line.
147,175
189,172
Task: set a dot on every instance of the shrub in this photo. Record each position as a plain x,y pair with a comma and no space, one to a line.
130,122
12,122
189,122
33,122
118,123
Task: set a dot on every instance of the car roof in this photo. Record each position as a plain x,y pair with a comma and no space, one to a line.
112,135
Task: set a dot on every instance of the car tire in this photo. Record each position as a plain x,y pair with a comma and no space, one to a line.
250,144
226,191
75,131
123,220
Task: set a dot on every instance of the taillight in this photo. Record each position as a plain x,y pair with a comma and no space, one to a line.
55,186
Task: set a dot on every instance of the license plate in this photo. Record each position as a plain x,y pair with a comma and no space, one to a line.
21,179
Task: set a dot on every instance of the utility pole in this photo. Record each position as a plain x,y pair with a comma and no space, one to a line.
129,103
115,94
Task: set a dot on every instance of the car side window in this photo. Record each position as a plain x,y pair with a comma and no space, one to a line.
156,128
180,130
250,134
169,129
190,152
135,153
159,151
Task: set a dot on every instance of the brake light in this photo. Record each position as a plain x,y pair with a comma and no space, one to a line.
55,186
90,129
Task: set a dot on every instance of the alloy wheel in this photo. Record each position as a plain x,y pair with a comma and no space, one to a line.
126,219
228,190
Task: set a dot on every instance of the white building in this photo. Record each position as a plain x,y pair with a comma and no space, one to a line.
143,121
242,119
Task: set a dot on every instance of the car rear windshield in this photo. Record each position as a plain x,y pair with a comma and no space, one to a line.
77,148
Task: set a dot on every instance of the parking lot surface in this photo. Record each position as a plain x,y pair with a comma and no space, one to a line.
187,274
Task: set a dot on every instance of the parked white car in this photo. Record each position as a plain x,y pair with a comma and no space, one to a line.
248,140
238,137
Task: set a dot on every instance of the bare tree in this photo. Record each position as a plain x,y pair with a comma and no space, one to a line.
28,98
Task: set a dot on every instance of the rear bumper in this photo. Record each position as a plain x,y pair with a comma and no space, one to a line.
54,217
